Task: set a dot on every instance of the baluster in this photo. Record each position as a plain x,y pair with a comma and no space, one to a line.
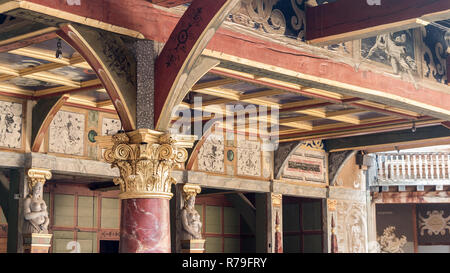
380,167
415,167
426,165
443,166
438,171
392,167
386,167
448,166
431,166
420,166
403,167
409,166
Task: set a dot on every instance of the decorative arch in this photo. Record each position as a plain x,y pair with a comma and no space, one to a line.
282,154
181,55
114,65
43,113
336,161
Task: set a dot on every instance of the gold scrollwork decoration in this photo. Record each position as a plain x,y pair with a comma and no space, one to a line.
145,167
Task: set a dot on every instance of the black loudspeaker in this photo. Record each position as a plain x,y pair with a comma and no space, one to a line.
363,160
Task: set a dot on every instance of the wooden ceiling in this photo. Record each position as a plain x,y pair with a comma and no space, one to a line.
303,112
29,69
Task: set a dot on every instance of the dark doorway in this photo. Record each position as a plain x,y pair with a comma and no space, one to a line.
109,246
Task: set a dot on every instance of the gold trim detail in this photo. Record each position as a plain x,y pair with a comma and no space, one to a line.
37,175
190,190
145,159
276,199
331,204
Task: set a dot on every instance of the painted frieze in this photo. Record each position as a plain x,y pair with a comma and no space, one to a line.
66,134
10,124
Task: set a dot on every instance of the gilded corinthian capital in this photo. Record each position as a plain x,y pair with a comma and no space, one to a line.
145,159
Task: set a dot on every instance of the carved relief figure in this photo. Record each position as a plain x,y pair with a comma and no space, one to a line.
389,242
351,227
35,209
190,219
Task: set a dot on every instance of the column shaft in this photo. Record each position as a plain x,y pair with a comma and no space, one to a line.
145,226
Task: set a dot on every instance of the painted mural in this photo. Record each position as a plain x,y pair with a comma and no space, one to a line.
211,154
392,49
10,124
66,133
248,157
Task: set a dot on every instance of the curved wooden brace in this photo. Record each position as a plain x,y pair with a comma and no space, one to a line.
282,154
200,68
43,113
193,153
336,161
180,54
116,69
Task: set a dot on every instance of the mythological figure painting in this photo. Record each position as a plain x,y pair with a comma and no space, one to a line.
248,157
10,124
67,133
392,49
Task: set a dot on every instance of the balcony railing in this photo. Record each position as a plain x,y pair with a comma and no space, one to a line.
413,169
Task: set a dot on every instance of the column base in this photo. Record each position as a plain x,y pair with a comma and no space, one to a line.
193,246
36,243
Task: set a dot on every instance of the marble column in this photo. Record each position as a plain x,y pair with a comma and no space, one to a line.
36,238
145,159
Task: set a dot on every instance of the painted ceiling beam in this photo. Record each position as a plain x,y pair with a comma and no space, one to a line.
354,130
386,139
347,20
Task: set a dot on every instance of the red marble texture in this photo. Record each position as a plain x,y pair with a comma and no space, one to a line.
145,226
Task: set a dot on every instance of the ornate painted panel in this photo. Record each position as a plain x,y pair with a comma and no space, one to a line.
307,164
11,118
66,133
248,157
435,43
433,224
230,154
280,18
211,154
